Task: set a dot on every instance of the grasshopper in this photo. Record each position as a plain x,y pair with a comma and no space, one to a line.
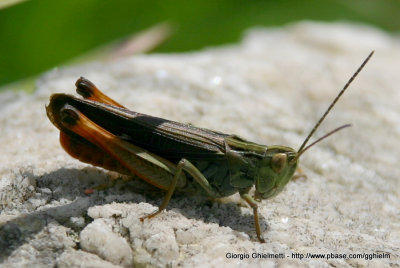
171,155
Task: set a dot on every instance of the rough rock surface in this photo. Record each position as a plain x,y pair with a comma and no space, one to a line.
271,88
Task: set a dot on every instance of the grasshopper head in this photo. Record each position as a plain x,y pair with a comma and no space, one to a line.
275,171
279,163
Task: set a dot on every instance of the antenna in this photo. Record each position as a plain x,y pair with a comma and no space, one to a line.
318,140
331,106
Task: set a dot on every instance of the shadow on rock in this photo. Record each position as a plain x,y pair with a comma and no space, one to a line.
56,190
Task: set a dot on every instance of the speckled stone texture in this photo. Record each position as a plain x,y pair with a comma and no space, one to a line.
270,88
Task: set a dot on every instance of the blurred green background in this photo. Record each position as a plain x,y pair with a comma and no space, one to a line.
38,35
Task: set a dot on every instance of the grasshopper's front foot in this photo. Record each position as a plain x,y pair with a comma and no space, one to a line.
151,215
299,175
259,235
252,203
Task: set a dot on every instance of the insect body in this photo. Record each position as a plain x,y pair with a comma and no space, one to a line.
171,155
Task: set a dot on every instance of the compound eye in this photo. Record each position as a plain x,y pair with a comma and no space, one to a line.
278,162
